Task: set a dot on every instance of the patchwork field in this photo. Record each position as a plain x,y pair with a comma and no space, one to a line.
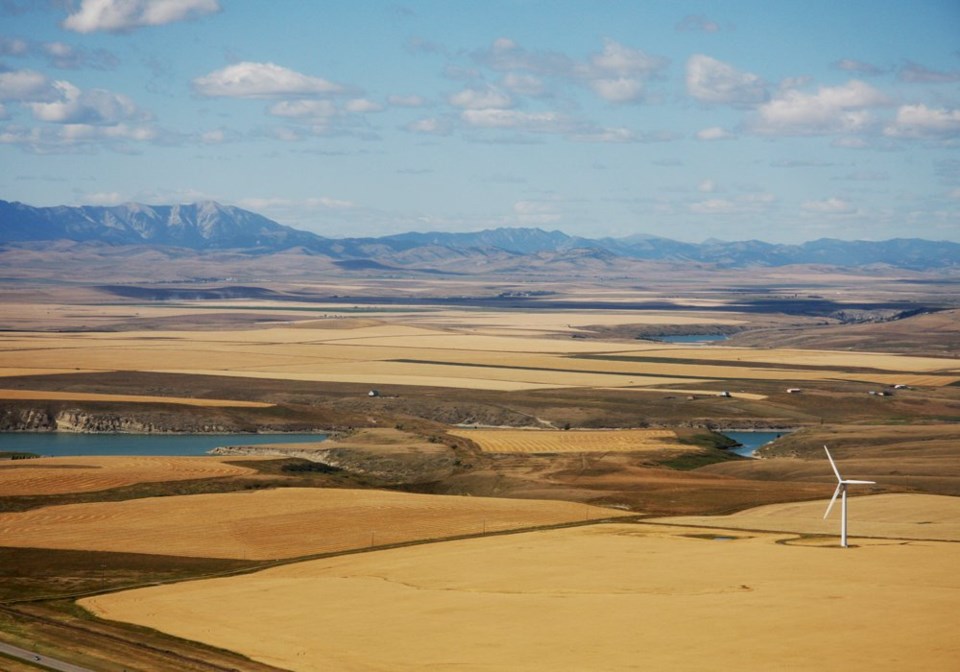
577,441
61,475
375,353
281,523
611,597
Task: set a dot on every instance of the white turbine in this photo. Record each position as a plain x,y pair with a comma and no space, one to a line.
842,491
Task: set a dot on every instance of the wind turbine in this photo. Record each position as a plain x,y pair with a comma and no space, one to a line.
841,490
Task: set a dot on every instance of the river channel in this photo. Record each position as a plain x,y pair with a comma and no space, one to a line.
67,444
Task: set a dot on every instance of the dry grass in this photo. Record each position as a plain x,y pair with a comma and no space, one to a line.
610,597
61,475
577,441
281,523
44,395
377,353
896,516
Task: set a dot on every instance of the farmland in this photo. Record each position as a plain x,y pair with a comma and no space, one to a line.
499,451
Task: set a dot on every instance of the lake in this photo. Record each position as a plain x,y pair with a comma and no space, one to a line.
62,443
751,440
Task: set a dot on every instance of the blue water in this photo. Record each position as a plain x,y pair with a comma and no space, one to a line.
57,443
751,441
691,338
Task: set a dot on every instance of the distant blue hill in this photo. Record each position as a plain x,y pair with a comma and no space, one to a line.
208,226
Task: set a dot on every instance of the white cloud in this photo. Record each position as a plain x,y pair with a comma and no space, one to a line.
481,99
714,133
614,135
125,15
303,109
713,81
362,105
836,109
920,121
430,126
707,186
96,106
620,90
746,203
261,80
531,121
618,59
829,206
523,84
67,138
25,85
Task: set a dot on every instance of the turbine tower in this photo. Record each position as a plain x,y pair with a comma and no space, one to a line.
842,491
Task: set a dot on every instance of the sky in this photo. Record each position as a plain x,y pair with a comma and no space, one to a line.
784,121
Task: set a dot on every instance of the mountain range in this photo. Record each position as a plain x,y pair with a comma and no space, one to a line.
208,227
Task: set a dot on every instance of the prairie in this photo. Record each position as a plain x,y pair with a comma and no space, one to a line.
61,475
281,523
611,596
577,441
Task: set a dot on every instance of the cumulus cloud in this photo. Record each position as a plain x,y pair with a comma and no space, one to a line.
303,109
261,80
836,109
714,133
920,121
530,121
95,106
617,73
829,206
713,81
430,126
25,85
72,138
125,15
480,99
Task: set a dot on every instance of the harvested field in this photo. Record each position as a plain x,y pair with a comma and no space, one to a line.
282,523
45,395
610,597
892,516
375,353
61,475
576,441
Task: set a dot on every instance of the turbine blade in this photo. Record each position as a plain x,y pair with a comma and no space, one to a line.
833,464
860,482
832,500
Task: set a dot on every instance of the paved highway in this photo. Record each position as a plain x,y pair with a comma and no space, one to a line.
37,659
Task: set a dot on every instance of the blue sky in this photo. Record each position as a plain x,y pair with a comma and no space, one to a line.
781,121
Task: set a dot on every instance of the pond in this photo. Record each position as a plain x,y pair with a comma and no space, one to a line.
62,443
751,441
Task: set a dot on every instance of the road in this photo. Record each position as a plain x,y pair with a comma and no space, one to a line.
37,659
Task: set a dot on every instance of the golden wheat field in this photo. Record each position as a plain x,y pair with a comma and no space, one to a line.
377,353
575,441
900,516
60,475
605,597
281,523
46,395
